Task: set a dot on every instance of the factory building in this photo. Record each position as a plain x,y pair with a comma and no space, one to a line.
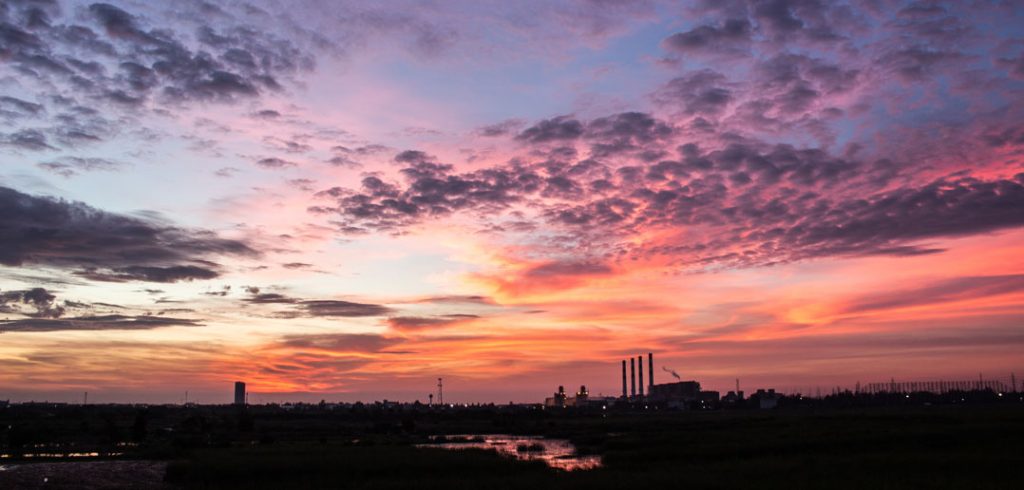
765,399
681,390
684,395
708,399
560,399
733,398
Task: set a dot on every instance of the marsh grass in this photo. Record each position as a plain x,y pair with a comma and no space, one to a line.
330,466
878,449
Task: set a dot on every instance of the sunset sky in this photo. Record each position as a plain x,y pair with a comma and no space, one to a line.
346,201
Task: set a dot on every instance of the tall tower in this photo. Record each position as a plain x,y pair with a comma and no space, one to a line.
440,391
640,377
624,392
239,393
650,371
632,377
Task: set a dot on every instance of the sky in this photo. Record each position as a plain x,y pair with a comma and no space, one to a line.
348,200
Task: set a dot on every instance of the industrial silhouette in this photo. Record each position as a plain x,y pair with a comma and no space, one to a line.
689,394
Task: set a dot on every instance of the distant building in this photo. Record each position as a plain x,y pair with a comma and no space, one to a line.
709,396
765,399
581,400
681,394
581,396
558,400
733,398
239,393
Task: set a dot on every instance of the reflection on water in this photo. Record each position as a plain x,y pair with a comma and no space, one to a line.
557,453
56,455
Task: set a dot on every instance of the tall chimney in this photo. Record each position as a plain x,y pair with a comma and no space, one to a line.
650,371
640,365
624,394
632,377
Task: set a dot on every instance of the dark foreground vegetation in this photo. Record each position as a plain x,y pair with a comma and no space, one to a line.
949,446
878,448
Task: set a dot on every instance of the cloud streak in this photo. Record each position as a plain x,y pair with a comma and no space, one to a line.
102,246
93,323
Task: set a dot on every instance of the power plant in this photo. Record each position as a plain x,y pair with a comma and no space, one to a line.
639,393
681,394
684,394
636,393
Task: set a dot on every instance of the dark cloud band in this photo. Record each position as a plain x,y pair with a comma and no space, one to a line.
42,231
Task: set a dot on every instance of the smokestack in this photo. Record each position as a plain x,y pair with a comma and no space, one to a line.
640,365
632,377
650,371
624,394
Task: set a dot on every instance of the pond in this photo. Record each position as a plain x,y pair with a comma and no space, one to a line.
556,453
